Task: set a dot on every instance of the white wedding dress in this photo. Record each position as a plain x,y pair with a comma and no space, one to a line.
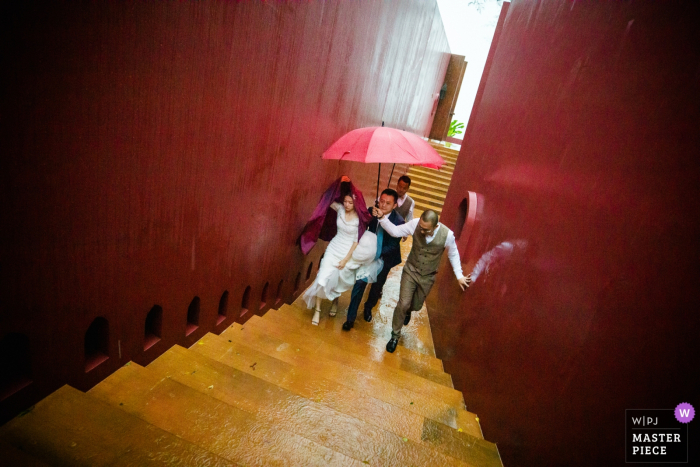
330,281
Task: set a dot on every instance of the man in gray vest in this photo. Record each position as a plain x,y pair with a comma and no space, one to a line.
430,240
404,203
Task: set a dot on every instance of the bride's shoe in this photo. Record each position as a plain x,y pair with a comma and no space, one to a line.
316,318
333,310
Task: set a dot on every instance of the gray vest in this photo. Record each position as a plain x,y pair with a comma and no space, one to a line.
425,257
405,207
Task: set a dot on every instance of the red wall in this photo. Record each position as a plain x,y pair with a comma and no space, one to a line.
157,151
585,142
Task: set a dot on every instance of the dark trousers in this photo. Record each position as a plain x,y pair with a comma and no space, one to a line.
359,290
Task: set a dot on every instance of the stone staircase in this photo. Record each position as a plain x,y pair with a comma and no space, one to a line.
273,391
429,186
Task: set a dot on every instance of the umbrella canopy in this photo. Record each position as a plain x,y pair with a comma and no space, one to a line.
378,144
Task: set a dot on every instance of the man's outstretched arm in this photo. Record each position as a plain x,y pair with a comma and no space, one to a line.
397,230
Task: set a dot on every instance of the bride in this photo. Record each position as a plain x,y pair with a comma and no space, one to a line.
352,249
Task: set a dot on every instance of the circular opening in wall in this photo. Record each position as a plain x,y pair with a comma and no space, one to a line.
462,211
308,271
223,308
15,364
297,283
96,343
245,302
280,289
154,324
263,295
192,316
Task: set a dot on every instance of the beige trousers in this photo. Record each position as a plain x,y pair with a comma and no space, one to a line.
414,289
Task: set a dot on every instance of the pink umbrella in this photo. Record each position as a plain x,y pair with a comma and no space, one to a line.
381,144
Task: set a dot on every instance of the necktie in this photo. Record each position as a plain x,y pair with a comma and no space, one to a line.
380,236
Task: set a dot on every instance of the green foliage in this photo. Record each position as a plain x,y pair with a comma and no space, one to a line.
455,129
479,4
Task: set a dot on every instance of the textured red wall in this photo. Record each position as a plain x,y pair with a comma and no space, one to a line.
157,151
584,142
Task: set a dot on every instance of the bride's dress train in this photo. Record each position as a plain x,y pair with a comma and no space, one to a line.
330,281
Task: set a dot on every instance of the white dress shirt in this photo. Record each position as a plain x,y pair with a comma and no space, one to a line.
400,201
408,228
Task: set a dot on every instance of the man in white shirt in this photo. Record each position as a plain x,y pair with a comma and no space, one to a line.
430,240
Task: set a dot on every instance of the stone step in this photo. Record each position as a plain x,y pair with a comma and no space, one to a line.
444,149
361,344
12,456
70,428
418,337
432,173
429,193
446,412
429,180
449,164
422,185
345,346
338,352
287,410
409,420
376,334
421,208
232,433
428,202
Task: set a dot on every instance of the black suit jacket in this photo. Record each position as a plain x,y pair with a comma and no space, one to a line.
391,246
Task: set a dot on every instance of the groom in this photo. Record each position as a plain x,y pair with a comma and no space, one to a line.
388,249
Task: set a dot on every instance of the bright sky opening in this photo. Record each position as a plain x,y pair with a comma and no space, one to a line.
469,33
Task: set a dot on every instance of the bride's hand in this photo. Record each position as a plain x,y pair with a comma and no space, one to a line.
342,264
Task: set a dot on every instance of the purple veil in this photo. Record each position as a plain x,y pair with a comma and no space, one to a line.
323,221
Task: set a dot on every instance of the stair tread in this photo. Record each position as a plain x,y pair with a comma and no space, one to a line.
435,382
423,404
430,193
414,353
313,420
427,201
427,179
276,367
448,158
446,176
425,185
420,208
203,420
441,148
360,343
70,427
10,455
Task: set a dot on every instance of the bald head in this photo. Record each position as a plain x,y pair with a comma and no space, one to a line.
427,223
430,217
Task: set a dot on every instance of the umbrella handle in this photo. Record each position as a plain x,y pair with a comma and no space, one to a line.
376,201
391,175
